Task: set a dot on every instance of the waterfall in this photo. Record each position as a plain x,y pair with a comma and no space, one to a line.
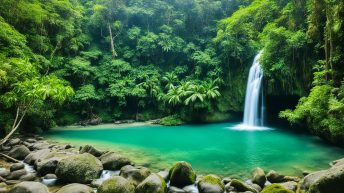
254,101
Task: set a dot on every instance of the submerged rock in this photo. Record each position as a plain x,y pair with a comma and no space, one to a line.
276,188
182,174
134,174
259,177
29,187
152,184
113,161
116,184
211,184
75,188
82,168
19,152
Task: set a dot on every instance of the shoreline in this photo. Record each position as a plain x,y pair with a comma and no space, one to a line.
44,158
105,126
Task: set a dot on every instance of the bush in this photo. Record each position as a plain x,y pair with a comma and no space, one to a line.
172,120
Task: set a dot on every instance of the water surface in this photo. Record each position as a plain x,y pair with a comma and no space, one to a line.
213,148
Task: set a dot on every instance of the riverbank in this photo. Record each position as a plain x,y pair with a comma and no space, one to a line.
107,126
44,167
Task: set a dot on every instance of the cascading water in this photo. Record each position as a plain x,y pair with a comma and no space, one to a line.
254,101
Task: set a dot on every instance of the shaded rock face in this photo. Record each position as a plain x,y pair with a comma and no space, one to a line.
113,161
19,152
29,187
82,168
276,188
274,177
152,184
75,188
91,150
331,181
116,184
259,177
17,166
134,174
311,179
182,174
211,184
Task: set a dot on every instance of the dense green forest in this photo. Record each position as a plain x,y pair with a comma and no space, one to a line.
68,61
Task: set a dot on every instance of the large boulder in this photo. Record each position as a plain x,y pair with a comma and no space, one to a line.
311,179
259,177
211,184
116,184
134,174
19,152
75,188
152,184
48,163
82,168
241,186
29,187
113,161
332,181
91,150
34,156
276,188
182,174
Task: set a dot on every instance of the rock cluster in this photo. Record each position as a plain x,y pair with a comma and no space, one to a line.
80,171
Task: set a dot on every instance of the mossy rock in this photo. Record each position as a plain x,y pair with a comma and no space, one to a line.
276,188
182,174
241,186
211,184
135,174
152,184
116,184
81,168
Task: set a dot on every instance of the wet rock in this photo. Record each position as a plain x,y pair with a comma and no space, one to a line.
134,174
13,142
4,172
17,166
5,148
82,168
211,184
276,188
241,186
226,180
191,189
259,177
29,187
28,177
173,189
34,156
47,166
40,146
291,178
75,188
50,177
31,140
116,184
274,177
152,184
164,175
337,162
331,181
91,150
182,174
15,175
113,161
291,185
19,152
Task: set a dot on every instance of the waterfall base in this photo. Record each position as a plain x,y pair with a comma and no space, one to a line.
245,127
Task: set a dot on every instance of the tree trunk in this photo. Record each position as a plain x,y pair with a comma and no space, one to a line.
112,44
15,126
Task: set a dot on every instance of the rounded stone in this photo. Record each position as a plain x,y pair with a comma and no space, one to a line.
182,174
116,184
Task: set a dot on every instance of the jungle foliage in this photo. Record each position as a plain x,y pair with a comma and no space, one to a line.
182,60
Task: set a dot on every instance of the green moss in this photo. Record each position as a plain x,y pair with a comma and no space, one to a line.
241,186
211,179
172,120
276,188
116,185
182,174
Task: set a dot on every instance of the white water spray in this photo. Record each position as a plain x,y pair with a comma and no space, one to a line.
254,101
